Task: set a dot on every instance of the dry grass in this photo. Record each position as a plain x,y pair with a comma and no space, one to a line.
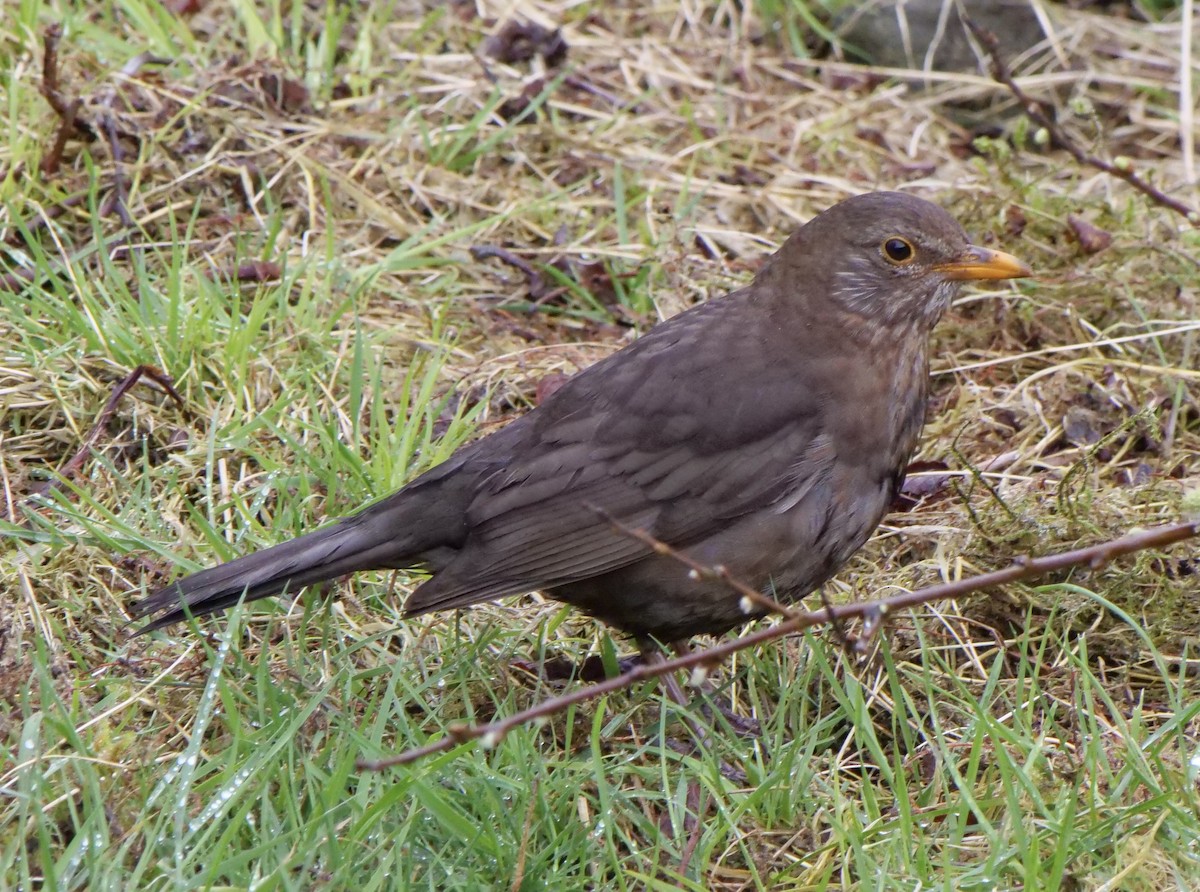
347,164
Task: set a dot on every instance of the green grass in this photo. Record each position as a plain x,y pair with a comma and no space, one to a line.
908,771
1041,737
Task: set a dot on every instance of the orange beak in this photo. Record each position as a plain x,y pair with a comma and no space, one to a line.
983,263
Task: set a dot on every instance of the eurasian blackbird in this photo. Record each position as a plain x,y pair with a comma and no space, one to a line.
765,431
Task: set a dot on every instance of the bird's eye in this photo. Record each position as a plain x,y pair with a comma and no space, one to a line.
898,250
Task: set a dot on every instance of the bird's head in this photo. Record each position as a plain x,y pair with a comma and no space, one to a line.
891,259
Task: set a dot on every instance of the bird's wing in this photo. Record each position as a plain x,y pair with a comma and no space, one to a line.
678,458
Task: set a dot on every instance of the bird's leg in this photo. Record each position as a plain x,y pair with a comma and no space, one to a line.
651,654
743,726
836,626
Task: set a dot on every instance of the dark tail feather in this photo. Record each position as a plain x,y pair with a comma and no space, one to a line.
370,540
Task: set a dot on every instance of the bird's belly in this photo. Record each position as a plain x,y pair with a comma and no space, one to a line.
782,554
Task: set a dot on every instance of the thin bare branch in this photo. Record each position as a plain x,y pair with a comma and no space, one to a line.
69,122
1093,557
1037,113
71,467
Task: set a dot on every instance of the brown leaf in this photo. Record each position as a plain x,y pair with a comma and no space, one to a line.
1092,239
1014,221
258,85
1139,475
515,106
741,175
256,271
520,41
923,482
922,479
595,277
1082,427
548,385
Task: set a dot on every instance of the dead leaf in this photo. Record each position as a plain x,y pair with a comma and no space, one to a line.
1092,239
520,41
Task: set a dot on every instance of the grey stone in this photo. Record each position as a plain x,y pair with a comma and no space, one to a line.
919,34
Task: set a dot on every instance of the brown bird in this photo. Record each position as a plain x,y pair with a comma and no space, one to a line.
766,431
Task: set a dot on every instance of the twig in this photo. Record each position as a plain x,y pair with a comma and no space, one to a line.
50,88
537,287
66,125
1035,111
72,466
20,234
1187,138
16,280
120,192
1093,557
69,122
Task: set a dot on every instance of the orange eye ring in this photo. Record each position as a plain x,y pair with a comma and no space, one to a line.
898,251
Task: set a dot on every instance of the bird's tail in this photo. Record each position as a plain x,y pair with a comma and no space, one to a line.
373,539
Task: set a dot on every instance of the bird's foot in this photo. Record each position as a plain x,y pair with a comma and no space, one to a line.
730,772
743,726
556,667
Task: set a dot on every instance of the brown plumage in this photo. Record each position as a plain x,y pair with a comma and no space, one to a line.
765,431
